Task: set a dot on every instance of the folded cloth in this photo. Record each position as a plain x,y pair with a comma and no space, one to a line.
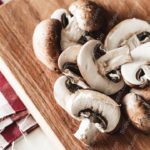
10,102
16,130
5,108
15,120
9,120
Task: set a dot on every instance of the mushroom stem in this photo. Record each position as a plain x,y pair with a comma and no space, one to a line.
113,59
137,39
86,132
132,42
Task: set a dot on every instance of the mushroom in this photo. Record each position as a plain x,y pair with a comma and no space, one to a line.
137,72
67,61
131,32
62,15
100,69
73,35
138,111
89,15
64,87
91,107
97,107
144,93
53,35
46,42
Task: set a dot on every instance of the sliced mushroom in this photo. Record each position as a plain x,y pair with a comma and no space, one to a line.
67,61
131,32
92,108
62,15
100,69
137,73
144,93
95,106
46,42
98,108
89,15
64,87
73,35
138,111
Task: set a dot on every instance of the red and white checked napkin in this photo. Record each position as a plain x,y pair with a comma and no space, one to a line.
14,118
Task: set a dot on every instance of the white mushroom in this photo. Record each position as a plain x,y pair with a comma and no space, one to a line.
137,73
73,35
89,15
92,108
67,61
64,87
71,32
95,106
131,32
100,69
138,111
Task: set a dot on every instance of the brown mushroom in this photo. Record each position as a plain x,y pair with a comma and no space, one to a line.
46,42
144,93
138,111
89,15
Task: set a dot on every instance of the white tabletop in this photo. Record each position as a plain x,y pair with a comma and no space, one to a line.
36,140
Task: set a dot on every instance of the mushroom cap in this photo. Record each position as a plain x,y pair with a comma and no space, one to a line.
89,15
64,87
67,61
46,42
138,111
123,31
141,58
62,15
89,70
97,102
144,93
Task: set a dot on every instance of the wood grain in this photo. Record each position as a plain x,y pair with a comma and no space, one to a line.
17,22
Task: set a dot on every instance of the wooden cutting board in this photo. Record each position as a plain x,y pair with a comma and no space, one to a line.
17,22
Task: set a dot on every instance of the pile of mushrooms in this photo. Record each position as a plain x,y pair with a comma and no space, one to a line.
93,71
